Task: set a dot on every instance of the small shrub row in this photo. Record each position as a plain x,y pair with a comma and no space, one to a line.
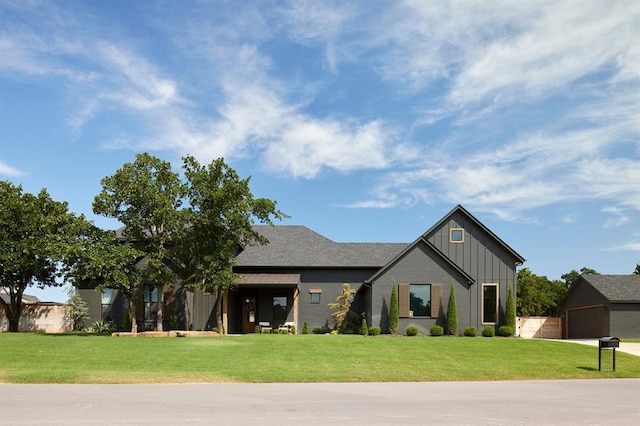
412,330
436,330
470,332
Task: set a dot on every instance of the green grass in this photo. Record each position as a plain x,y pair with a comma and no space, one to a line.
40,358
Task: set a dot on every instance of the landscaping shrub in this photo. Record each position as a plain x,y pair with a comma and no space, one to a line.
412,330
470,332
452,313
506,331
374,331
317,330
293,329
488,331
510,311
102,327
305,328
436,330
364,329
394,313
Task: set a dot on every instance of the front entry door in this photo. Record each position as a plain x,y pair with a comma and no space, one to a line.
249,314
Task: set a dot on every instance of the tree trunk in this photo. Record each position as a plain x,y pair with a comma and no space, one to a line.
160,313
220,324
12,310
132,314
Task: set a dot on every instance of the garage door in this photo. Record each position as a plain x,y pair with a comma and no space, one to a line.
587,323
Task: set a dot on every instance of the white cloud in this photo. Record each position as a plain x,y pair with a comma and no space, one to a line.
619,219
7,170
633,246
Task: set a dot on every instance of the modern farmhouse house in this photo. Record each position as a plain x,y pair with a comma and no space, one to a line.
292,279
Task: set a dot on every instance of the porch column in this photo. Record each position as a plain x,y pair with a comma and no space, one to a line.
296,294
225,319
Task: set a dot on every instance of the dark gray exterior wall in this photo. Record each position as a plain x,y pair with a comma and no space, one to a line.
482,257
421,265
93,299
330,281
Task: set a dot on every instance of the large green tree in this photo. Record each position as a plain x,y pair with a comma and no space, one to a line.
571,277
146,197
220,215
537,295
109,263
35,233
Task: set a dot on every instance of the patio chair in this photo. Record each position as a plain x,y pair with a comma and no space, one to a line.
265,327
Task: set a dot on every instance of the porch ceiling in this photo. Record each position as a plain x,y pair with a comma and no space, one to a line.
269,279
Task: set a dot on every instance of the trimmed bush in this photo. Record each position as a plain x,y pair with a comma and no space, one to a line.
506,331
305,328
364,328
510,311
317,330
470,332
394,313
412,330
436,330
452,313
488,331
374,331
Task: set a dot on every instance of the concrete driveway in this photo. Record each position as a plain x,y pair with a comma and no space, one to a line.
626,347
605,401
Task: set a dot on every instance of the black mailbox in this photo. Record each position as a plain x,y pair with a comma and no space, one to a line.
608,345
609,342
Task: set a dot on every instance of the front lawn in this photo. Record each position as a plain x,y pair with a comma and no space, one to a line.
39,358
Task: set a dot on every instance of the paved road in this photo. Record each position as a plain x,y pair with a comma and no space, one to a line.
606,401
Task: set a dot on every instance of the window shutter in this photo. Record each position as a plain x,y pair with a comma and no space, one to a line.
436,300
403,300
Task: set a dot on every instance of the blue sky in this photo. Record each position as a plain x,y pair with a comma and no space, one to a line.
367,121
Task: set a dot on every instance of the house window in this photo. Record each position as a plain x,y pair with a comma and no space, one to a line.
315,296
489,303
279,308
456,235
150,302
420,300
108,296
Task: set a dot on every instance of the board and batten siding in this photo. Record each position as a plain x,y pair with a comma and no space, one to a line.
481,256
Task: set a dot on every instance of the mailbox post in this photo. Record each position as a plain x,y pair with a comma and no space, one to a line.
608,344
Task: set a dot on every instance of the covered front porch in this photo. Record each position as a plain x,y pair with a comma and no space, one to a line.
262,302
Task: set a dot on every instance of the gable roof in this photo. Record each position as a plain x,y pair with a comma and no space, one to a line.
299,246
616,288
410,247
480,225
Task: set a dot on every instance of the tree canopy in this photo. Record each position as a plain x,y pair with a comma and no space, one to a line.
571,277
537,295
190,228
218,221
36,233
146,197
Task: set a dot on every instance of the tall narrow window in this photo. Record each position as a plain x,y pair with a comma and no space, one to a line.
108,295
489,303
150,302
420,300
279,308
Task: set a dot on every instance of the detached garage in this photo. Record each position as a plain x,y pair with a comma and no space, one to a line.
602,305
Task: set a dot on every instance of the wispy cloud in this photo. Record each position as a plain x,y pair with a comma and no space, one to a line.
7,170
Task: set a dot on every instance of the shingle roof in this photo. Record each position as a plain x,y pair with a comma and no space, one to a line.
299,246
616,288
